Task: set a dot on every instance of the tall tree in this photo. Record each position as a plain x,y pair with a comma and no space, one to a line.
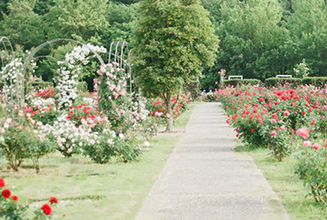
173,40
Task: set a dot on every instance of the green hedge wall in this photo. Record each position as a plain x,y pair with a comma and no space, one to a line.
315,81
269,82
235,82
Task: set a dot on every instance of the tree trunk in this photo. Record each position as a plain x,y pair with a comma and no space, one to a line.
170,119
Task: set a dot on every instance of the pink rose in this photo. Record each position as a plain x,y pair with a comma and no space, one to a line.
273,133
303,132
316,146
307,143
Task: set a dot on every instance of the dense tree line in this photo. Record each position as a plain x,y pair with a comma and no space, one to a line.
258,38
263,38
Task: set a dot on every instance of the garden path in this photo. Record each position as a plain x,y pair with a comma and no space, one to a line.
204,179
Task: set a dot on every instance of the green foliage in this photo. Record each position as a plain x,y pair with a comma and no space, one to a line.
281,81
81,20
43,6
3,9
121,18
209,78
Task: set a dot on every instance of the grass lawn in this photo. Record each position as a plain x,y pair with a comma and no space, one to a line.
288,186
91,191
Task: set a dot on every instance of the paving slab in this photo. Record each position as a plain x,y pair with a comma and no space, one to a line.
204,179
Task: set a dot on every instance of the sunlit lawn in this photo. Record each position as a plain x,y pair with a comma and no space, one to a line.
288,186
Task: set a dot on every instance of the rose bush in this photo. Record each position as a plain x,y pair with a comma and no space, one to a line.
11,209
252,111
312,165
22,138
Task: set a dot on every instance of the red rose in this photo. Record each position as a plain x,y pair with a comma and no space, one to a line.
46,209
14,198
2,182
53,200
6,193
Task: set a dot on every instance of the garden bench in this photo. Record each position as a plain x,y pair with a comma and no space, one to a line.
235,76
283,76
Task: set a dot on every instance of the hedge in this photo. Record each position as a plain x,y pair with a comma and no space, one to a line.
235,82
269,82
315,81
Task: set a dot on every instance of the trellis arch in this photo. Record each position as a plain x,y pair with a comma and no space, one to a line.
120,53
8,90
3,41
31,56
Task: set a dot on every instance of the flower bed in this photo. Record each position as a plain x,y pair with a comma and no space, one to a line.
279,118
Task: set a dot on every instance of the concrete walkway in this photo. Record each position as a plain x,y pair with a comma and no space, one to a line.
204,179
